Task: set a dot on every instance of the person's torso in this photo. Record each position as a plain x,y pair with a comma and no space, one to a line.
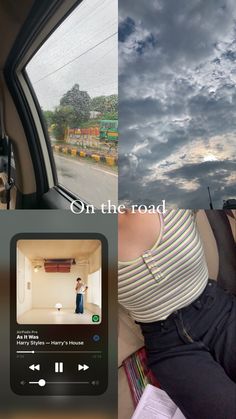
167,277
80,289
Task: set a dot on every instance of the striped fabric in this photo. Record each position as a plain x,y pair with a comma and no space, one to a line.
167,277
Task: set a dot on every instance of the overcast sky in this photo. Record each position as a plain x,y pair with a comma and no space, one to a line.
92,22
177,93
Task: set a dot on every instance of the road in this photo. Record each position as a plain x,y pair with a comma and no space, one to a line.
92,183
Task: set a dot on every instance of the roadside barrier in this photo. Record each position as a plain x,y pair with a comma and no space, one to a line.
96,157
73,151
109,160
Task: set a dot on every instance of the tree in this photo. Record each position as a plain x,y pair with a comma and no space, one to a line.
48,116
80,102
110,115
63,117
107,105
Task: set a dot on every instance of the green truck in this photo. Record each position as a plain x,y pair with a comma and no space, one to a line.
109,130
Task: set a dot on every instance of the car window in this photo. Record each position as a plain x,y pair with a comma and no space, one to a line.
74,76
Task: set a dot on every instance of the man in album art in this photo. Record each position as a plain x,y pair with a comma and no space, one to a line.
80,289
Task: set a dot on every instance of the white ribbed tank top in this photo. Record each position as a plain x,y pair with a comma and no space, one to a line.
167,277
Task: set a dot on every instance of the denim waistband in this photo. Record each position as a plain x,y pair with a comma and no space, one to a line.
209,289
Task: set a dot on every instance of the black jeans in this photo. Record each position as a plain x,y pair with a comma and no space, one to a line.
193,355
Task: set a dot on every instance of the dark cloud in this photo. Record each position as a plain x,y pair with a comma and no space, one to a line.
230,55
126,28
191,171
178,100
149,42
176,196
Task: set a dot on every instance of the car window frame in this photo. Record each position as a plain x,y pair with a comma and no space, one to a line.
25,97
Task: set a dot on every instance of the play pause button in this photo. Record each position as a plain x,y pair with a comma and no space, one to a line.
58,366
83,367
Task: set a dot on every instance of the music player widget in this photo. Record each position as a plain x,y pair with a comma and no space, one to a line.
59,314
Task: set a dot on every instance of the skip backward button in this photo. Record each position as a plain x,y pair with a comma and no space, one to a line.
34,367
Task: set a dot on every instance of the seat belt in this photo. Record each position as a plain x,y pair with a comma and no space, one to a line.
6,148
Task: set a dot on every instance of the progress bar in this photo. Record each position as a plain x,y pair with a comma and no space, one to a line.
43,382
58,352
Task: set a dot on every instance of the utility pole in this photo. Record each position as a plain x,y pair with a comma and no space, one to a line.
209,193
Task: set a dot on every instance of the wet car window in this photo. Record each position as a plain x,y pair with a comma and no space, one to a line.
74,76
